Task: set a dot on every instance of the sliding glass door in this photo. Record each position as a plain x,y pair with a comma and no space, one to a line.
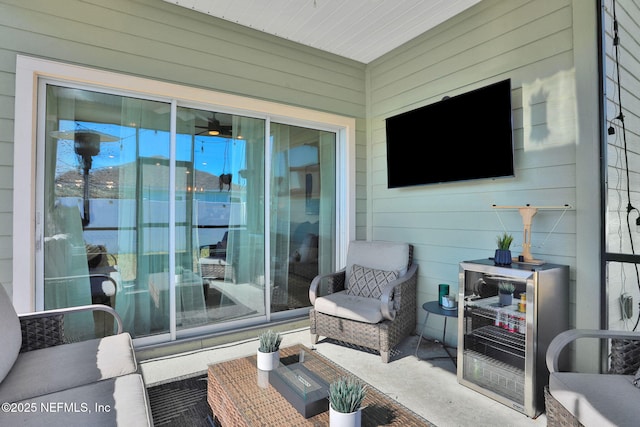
158,210
106,230
303,211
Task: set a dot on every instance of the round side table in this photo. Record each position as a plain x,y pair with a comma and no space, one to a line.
433,307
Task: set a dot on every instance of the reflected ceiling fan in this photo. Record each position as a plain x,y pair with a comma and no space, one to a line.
205,122
215,128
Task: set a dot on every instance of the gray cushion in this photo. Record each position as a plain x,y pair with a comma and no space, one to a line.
341,304
10,334
368,282
65,366
389,256
121,401
597,400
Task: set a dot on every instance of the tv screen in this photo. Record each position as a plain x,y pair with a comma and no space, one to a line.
461,138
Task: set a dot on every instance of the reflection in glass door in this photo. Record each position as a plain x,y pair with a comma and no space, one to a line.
136,217
105,227
303,211
225,204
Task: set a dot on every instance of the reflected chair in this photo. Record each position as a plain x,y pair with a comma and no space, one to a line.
214,263
369,303
103,286
303,260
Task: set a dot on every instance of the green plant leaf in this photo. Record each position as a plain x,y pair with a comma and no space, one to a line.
504,241
269,341
506,287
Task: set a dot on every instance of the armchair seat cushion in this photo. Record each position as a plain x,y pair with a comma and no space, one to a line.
597,400
352,307
52,369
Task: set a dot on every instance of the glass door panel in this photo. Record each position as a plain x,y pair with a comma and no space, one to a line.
223,260
95,203
303,209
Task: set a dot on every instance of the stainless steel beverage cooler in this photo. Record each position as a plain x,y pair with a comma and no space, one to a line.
501,348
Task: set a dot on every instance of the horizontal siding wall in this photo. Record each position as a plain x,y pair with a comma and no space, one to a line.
529,42
7,93
151,38
623,88
157,40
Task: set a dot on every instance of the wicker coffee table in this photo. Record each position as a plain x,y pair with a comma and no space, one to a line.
237,399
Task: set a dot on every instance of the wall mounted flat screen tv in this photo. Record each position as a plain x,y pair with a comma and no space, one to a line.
461,138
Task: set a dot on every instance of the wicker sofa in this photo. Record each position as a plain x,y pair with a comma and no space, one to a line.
46,381
377,315
591,399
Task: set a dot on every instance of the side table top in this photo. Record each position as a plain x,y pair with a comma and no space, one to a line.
435,308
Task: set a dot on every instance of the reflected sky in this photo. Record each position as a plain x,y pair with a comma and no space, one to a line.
212,154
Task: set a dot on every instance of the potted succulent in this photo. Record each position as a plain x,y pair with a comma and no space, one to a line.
269,350
505,293
345,400
503,253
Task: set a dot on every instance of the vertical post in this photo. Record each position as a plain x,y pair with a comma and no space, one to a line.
527,214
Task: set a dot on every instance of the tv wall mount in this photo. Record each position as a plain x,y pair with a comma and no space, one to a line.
528,212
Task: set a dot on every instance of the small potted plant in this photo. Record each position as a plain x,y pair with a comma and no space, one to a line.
269,350
505,293
345,400
503,253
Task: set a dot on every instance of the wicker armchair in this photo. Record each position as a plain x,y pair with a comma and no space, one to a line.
378,320
624,361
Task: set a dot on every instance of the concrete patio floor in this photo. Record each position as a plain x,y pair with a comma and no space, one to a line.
428,387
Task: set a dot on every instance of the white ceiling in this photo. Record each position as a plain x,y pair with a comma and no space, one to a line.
362,30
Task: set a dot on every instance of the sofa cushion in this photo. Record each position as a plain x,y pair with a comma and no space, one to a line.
388,256
341,304
10,334
121,401
53,369
368,282
597,400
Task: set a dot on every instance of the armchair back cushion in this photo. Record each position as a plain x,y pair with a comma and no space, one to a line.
10,334
386,256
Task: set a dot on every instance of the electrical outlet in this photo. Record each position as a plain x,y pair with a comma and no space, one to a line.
626,306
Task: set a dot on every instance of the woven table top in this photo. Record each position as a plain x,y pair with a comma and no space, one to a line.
236,398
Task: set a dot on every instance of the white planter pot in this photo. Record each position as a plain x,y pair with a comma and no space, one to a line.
268,361
263,378
340,419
